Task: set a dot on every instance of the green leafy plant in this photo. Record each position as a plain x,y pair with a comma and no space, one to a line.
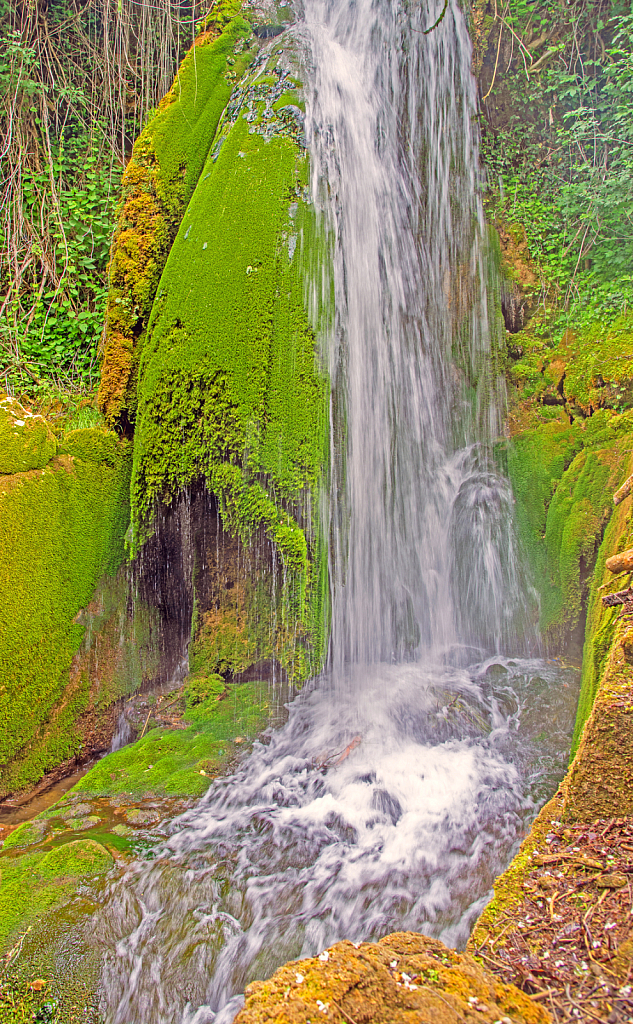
77,81
560,157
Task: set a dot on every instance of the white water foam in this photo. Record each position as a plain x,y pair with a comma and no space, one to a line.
393,814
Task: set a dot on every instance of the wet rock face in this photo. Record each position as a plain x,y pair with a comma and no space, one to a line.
403,978
191,561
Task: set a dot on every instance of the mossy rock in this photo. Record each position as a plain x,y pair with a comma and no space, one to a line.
403,979
181,762
26,441
230,391
35,883
93,444
62,530
158,182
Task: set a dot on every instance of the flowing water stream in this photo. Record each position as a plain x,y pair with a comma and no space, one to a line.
405,776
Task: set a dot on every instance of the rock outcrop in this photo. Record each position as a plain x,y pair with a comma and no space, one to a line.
404,978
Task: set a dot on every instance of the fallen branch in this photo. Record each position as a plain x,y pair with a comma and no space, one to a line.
620,597
145,726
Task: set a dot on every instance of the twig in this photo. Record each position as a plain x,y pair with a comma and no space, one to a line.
494,73
583,1009
341,1010
173,701
536,996
145,726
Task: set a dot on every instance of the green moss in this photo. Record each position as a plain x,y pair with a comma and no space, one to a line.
158,182
576,516
34,883
563,477
167,762
599,365
229,386
61,529
92,444
228,316
537,459
602,623
289,99
26,441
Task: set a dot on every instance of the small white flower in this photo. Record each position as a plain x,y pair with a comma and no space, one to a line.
323,1007
299,978
324,956
393,964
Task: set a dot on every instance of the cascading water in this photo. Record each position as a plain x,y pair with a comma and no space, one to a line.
403,778
422,557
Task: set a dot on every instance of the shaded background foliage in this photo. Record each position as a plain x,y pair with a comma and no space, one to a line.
557,124
77,80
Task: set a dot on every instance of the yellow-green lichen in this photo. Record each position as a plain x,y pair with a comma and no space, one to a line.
402,979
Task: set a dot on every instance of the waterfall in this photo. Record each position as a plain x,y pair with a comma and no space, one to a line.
422,555
403,778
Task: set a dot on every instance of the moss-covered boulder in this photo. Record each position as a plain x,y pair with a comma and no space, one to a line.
26,440
403,979
62,529
209,348
37,882
563,476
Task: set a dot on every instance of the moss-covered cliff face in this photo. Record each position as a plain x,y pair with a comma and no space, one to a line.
63,518
157,185
219,370
210,363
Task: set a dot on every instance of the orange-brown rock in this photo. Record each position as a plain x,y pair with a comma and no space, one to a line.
623,562
623,491
403,979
